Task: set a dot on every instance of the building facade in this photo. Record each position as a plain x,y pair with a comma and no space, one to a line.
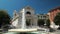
30,17
42,19
52,13
43,16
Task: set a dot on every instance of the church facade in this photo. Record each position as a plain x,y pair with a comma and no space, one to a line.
31,19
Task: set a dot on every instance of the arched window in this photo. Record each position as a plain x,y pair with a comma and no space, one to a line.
28,13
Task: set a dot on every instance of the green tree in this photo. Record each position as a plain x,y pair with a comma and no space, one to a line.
4,18
57,19
40,22
48,23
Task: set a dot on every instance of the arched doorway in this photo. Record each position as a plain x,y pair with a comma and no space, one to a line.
28,22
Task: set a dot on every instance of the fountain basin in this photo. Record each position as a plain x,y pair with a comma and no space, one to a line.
22,30
26,31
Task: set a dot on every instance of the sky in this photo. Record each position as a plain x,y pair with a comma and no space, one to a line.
40,6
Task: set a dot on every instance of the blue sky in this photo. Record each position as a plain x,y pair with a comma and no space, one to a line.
40,6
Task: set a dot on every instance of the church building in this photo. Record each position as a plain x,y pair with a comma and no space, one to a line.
31,19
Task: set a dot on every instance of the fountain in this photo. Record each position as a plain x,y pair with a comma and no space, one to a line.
23,19
53,25
23,27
